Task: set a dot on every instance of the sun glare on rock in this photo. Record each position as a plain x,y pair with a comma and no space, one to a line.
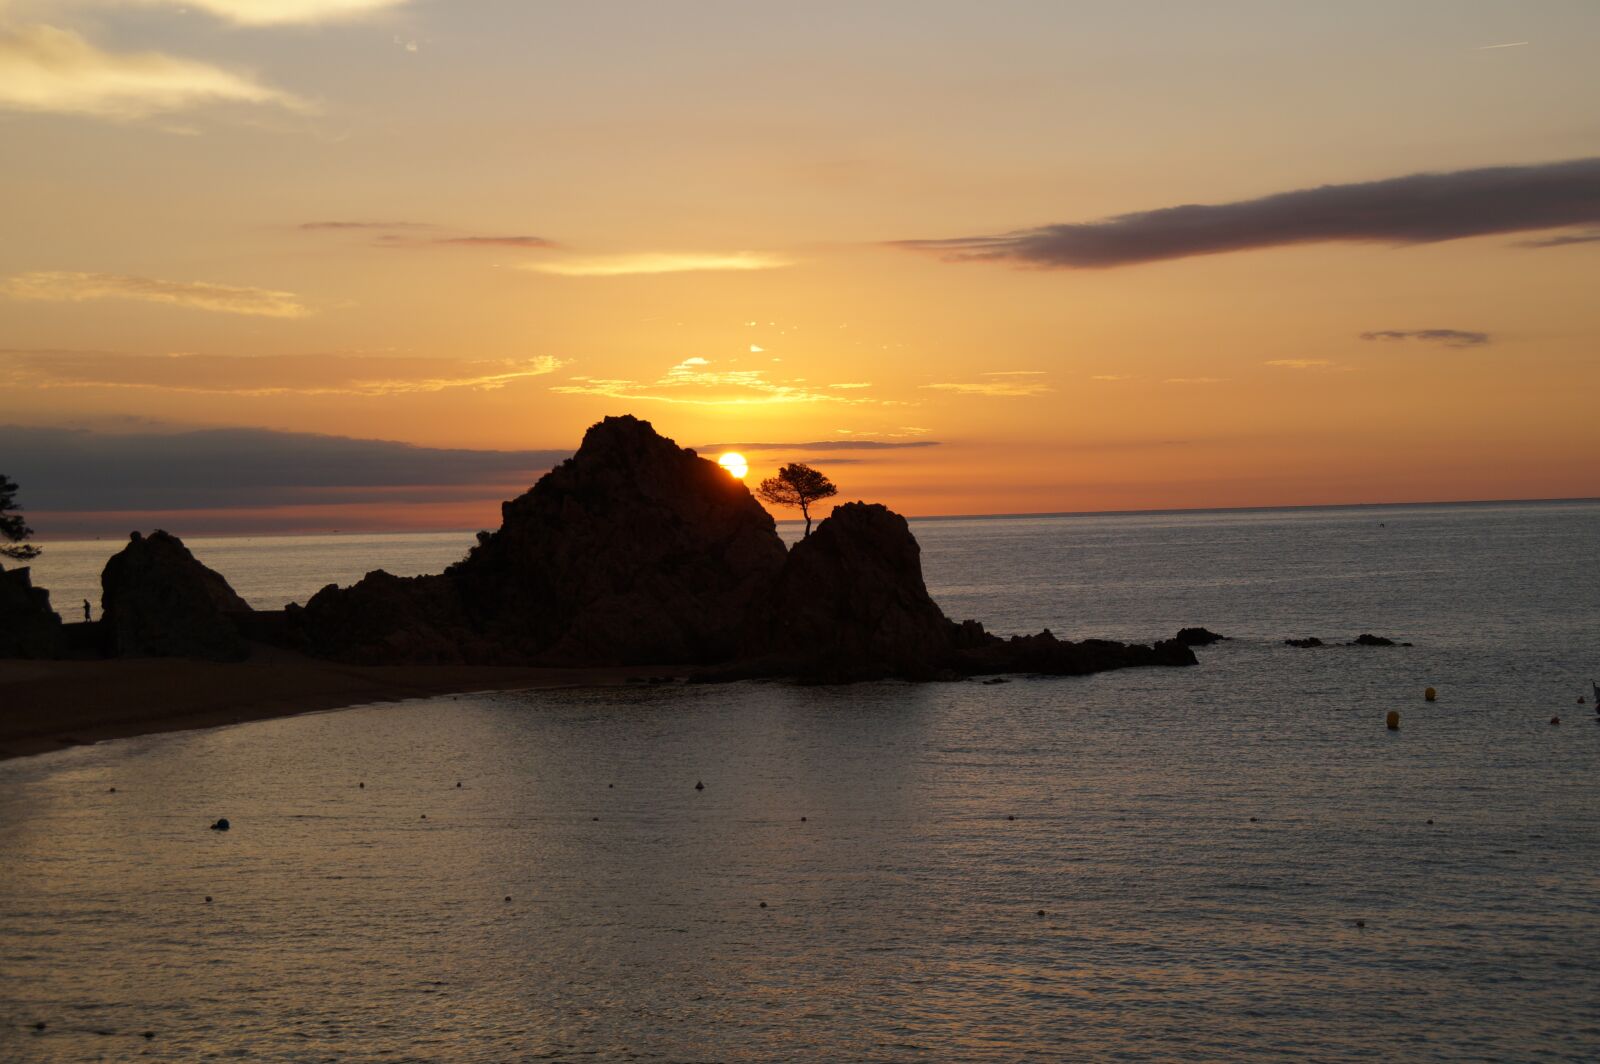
734,463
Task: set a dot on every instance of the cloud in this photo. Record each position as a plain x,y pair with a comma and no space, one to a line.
1299,363
1561,240
314,226
851,385
1447,337
278,12
658,262
823,445
75,470
1417,209
64,287
695,381
265,375
499,241
52,70
995,388
1195,380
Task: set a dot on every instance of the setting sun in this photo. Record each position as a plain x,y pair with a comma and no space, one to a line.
734,463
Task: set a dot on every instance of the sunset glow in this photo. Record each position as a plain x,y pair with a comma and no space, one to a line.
735,464
936,272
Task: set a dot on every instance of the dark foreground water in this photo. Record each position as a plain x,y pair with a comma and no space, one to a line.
1231,861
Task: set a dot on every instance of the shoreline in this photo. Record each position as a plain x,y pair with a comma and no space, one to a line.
55,704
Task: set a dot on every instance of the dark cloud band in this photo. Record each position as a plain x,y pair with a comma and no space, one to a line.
74,470
1448,337
1420,208
824,445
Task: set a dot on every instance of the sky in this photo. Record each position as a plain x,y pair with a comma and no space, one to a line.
280,265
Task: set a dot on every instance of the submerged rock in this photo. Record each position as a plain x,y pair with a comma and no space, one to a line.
158,600
29,628
1367,639
1309,641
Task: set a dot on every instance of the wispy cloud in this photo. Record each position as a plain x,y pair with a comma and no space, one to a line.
1195,380
274,12
699,382
1511,44
658,262
823,445
499,241
1447,337
1561,240
1299,363
1420,208
201,295
46,69
265,376
338,226
1004,384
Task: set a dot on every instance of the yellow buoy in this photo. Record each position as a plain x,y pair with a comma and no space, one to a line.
1430,694
1393,720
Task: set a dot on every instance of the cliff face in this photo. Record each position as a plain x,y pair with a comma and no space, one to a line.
29,628
160,601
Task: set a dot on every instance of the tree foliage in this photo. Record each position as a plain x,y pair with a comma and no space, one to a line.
13,530
797,485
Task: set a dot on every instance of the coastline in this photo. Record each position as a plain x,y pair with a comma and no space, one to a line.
55,704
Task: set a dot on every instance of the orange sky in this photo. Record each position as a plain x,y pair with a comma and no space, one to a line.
484,226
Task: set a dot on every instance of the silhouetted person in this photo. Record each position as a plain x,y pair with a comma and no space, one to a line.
86,609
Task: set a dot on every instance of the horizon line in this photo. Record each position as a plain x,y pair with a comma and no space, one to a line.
1157,511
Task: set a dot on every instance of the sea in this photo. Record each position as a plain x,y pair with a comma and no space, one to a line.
1235,861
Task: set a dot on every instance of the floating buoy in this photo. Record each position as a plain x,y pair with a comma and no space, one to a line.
1430,694
220,825
1393,720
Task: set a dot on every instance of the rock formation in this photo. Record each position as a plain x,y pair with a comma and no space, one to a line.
1198,637
29,628
636,551
633,551
157,600
850,602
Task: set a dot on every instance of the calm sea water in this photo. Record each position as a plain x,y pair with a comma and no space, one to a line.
1201,842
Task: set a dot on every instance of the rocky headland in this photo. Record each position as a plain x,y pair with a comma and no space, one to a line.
633,552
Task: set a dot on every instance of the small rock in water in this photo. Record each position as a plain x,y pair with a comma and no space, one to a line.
458,783
1361,923
802,820
1555,720
1039,913
424,816
699,785
1252,820
1010,817
149,1034
1430,823
114,790
208,899
508,897
362,785
221,824
594,818
763,905
39,1026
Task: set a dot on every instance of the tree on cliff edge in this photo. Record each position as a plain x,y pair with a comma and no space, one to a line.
797,485
13,530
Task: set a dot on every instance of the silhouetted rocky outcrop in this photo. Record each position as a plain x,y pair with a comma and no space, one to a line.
633,551
159,601
1367,639
29,628
637,551
1198,637
1306,643
851,602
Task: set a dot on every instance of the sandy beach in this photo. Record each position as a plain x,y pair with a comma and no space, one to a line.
49,705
